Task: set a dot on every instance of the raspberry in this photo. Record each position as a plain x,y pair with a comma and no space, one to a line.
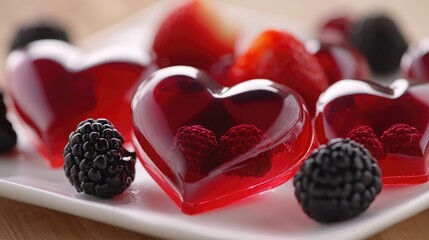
364,135
190,151
402,139
8,136
38,31
95,161
338,181
240,140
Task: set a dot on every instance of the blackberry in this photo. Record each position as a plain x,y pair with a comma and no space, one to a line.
8,135
338,181
379,39
95,161
38,31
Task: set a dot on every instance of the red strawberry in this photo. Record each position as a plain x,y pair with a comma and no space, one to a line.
194,35
190,150
365,135
239,140
279,57
402,139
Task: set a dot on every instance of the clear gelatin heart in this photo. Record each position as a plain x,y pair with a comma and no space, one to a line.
398,116
208,146
54,86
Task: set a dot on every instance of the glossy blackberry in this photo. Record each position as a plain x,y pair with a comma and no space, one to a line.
8,135
381,42
95,161
338,181
38,31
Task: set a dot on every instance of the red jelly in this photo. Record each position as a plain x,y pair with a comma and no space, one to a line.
208,146
53,87
415,62
336,29
349,104
339,61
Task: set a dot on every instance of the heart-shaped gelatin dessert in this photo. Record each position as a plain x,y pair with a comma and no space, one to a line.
54,86
391,122
208,146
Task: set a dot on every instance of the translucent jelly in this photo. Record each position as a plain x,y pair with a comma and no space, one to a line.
351,103
53,87
229,143
415,62
339,61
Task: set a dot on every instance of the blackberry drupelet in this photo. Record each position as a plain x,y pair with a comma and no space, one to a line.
338,181
38,31
95,161
8,135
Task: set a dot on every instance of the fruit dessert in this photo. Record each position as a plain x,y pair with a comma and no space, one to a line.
280,57
53,86
96,162
391,122
207,145
195,35
415,62
338,181
376,36
339,61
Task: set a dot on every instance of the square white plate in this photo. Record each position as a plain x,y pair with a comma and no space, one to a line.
146,209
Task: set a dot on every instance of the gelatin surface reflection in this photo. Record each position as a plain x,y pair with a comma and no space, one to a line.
352,103
53,87
181,99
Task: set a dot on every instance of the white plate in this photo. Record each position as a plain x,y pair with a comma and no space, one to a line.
146,209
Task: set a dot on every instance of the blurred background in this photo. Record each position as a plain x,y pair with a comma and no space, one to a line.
85,17
82,18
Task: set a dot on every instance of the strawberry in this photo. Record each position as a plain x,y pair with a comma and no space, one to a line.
240,140
190,150
365,135
195,35
280,57
402,139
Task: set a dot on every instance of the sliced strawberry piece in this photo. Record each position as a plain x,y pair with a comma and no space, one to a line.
365,135
402,139
190,150
280,57
195,35
239,140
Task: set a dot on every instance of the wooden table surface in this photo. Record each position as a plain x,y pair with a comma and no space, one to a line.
84,17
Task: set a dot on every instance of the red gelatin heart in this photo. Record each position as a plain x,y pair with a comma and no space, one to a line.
394,118
415,62
53,87
208,146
